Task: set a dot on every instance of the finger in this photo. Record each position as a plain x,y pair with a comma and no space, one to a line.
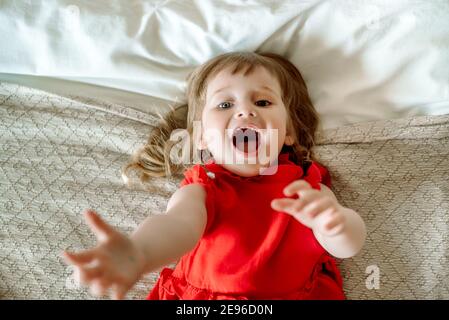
335,226
290,206
296,186
316,207
119,291
282,204
87,275
327,221
82,257
294,206
100,228
99,288
307,197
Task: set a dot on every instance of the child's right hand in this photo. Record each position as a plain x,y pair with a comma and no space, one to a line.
115,263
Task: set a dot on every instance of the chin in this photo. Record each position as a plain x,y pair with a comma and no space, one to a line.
244,170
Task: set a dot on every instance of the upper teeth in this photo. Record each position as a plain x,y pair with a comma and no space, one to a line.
236,131
254,129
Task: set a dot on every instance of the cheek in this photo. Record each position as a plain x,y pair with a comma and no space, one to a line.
207,120
215,120
213,125
281,136
280,122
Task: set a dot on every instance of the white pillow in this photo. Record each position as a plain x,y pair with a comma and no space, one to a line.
362,60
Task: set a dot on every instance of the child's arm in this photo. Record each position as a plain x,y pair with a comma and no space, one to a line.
165,238
119,261
341,231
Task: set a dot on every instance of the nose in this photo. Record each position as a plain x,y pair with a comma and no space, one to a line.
246,112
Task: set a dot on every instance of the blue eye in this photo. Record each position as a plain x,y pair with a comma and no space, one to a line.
225,105
266,104
259,103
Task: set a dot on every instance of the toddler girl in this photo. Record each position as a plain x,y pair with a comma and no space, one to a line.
256,219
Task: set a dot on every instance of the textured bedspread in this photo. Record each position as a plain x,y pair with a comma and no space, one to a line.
59,155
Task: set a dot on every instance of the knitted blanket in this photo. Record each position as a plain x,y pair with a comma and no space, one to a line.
60,155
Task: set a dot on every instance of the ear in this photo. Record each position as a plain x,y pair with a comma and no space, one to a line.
289,134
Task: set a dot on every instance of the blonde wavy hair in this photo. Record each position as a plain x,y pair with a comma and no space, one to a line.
153,159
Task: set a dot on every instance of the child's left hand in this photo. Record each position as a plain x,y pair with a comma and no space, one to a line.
315,209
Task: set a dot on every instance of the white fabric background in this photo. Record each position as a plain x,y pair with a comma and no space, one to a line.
362,60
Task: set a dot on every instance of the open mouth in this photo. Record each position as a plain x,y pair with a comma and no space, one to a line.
246,140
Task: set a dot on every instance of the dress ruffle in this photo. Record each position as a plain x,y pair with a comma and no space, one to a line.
324,284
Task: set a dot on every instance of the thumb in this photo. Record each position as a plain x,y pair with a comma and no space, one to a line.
99,227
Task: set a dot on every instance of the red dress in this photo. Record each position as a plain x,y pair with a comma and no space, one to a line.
248,250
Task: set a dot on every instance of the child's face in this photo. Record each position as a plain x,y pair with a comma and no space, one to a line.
235,101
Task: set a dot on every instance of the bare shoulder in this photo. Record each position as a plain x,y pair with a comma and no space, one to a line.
326,190
188,207
192,195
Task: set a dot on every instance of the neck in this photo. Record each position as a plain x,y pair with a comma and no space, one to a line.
244,170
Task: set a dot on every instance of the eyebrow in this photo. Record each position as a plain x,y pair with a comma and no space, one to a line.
259,89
